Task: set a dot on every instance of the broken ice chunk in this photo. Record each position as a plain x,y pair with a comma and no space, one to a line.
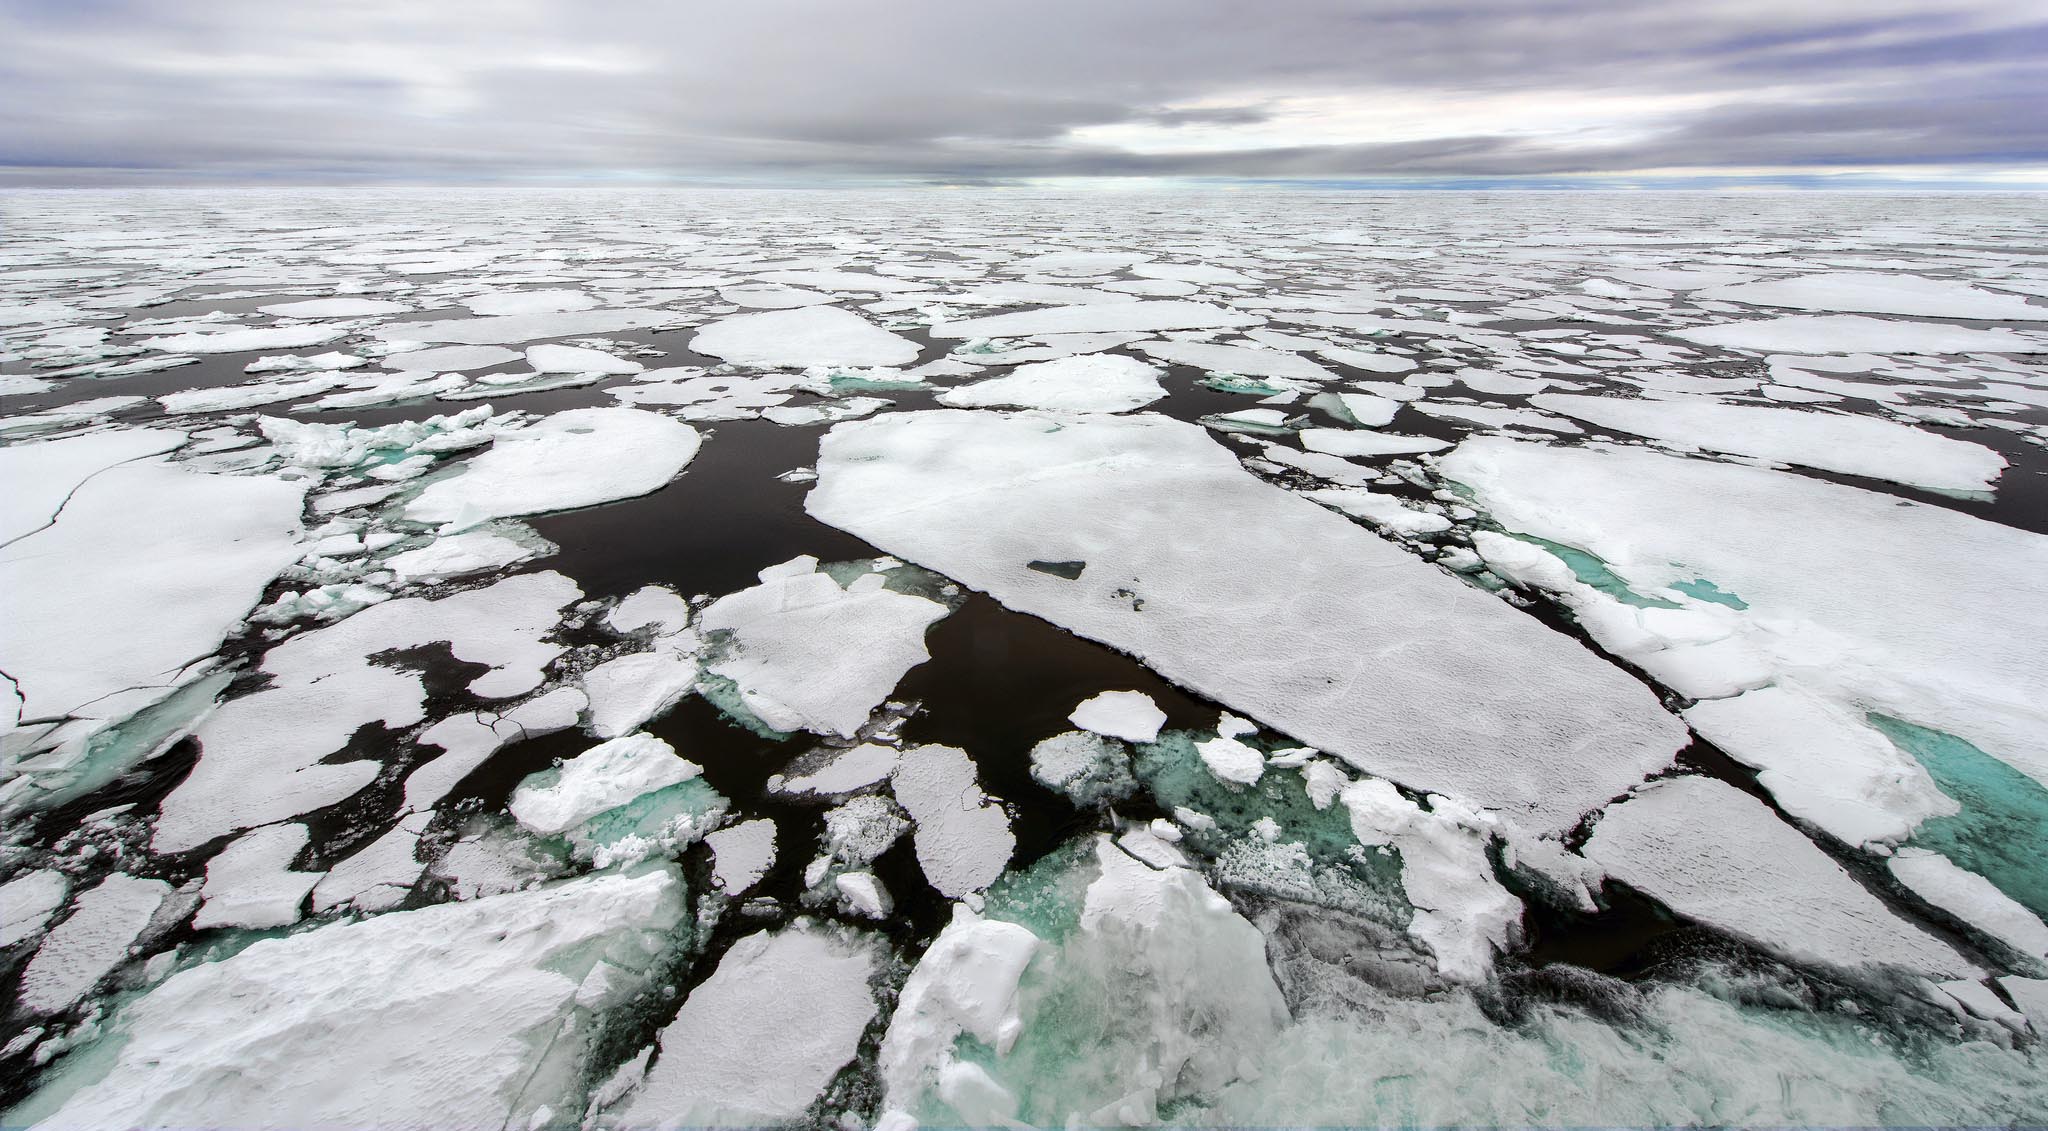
757,1041
742,854
807,653
251,884
91,942
963,836
1129,715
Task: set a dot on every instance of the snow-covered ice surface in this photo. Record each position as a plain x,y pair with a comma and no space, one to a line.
629,659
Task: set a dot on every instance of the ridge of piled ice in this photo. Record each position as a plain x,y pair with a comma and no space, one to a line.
810,654
1343,642
1854,445
577,458
1715,854
964,983
454,1016
1462,914
757,1041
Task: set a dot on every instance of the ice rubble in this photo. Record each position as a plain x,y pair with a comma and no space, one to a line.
759,1040
1462,914
1159,992
577,458
1343,641
1853,445
146,569
808,653
1850,333
91,942
1129,715
802,337
1716,855
1924,613
1869,293
459,1015
1090,383
263,756
508,329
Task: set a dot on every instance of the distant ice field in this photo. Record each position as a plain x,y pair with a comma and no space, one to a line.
633,659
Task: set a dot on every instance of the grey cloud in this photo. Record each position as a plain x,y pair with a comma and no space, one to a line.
937,89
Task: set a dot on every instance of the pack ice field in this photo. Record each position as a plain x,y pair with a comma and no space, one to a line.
606,659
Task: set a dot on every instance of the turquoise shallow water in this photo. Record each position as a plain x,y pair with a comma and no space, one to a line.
2001,832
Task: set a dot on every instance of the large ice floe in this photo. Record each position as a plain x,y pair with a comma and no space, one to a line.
1278,608
602,661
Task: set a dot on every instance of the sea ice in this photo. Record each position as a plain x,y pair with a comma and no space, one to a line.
802,337
600,779
741,854
26,903
1344,641
574,359
462,1015
1869,293
1716,855
1129,715
1098,318
756,1042
1090,383
1850,333
251,884
91,942
577,458
810,654
1853,445
963,836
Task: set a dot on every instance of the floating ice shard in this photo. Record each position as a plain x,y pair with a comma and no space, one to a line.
572,459
963,836
262,756
251,884
1343,642
91,942
757,1041
451,358
575,359
628,692
802,337
146,570
1245,361
1972,899
456,1016
809,654
1717,855
1854,445
743,853
248,339
334,308
1129,715
1091,383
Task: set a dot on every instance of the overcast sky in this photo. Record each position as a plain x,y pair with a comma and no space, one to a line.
1450,91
